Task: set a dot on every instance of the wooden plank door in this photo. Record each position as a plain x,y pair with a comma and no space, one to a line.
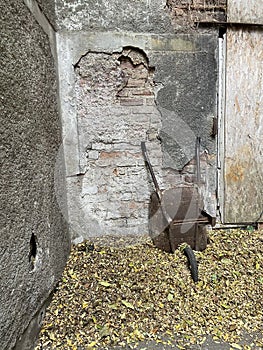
243,129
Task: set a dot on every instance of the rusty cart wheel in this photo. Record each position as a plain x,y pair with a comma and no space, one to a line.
192,263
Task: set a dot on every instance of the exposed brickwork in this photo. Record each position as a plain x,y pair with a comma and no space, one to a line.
138,79
186,13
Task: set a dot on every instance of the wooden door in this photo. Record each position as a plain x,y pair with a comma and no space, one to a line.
243,120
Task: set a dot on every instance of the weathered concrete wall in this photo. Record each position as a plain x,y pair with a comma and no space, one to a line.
120,89
141,16
135,16
34,240
129,73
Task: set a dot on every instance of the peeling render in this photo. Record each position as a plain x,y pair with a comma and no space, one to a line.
116,111
118,104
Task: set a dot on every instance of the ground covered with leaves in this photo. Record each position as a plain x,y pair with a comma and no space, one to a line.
111,296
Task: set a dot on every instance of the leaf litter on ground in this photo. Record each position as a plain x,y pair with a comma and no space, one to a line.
117,296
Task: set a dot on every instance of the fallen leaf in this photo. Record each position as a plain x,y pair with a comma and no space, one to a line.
85,304
105,284
170,297
127,304
236,346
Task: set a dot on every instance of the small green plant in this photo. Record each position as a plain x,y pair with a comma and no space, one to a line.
250,228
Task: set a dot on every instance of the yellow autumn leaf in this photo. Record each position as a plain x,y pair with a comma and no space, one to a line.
49,325
79,338
91,345
72,274
138,334
69,342
52,336
170,297
105,283
85,305
236,346
127,304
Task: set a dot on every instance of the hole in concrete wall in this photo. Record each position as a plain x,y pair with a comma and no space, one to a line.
99,78
32,252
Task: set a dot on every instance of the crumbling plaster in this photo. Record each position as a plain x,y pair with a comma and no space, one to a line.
97,123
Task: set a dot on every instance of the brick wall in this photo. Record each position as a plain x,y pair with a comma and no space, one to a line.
187,13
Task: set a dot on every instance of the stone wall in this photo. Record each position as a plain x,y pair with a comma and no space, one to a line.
34,242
